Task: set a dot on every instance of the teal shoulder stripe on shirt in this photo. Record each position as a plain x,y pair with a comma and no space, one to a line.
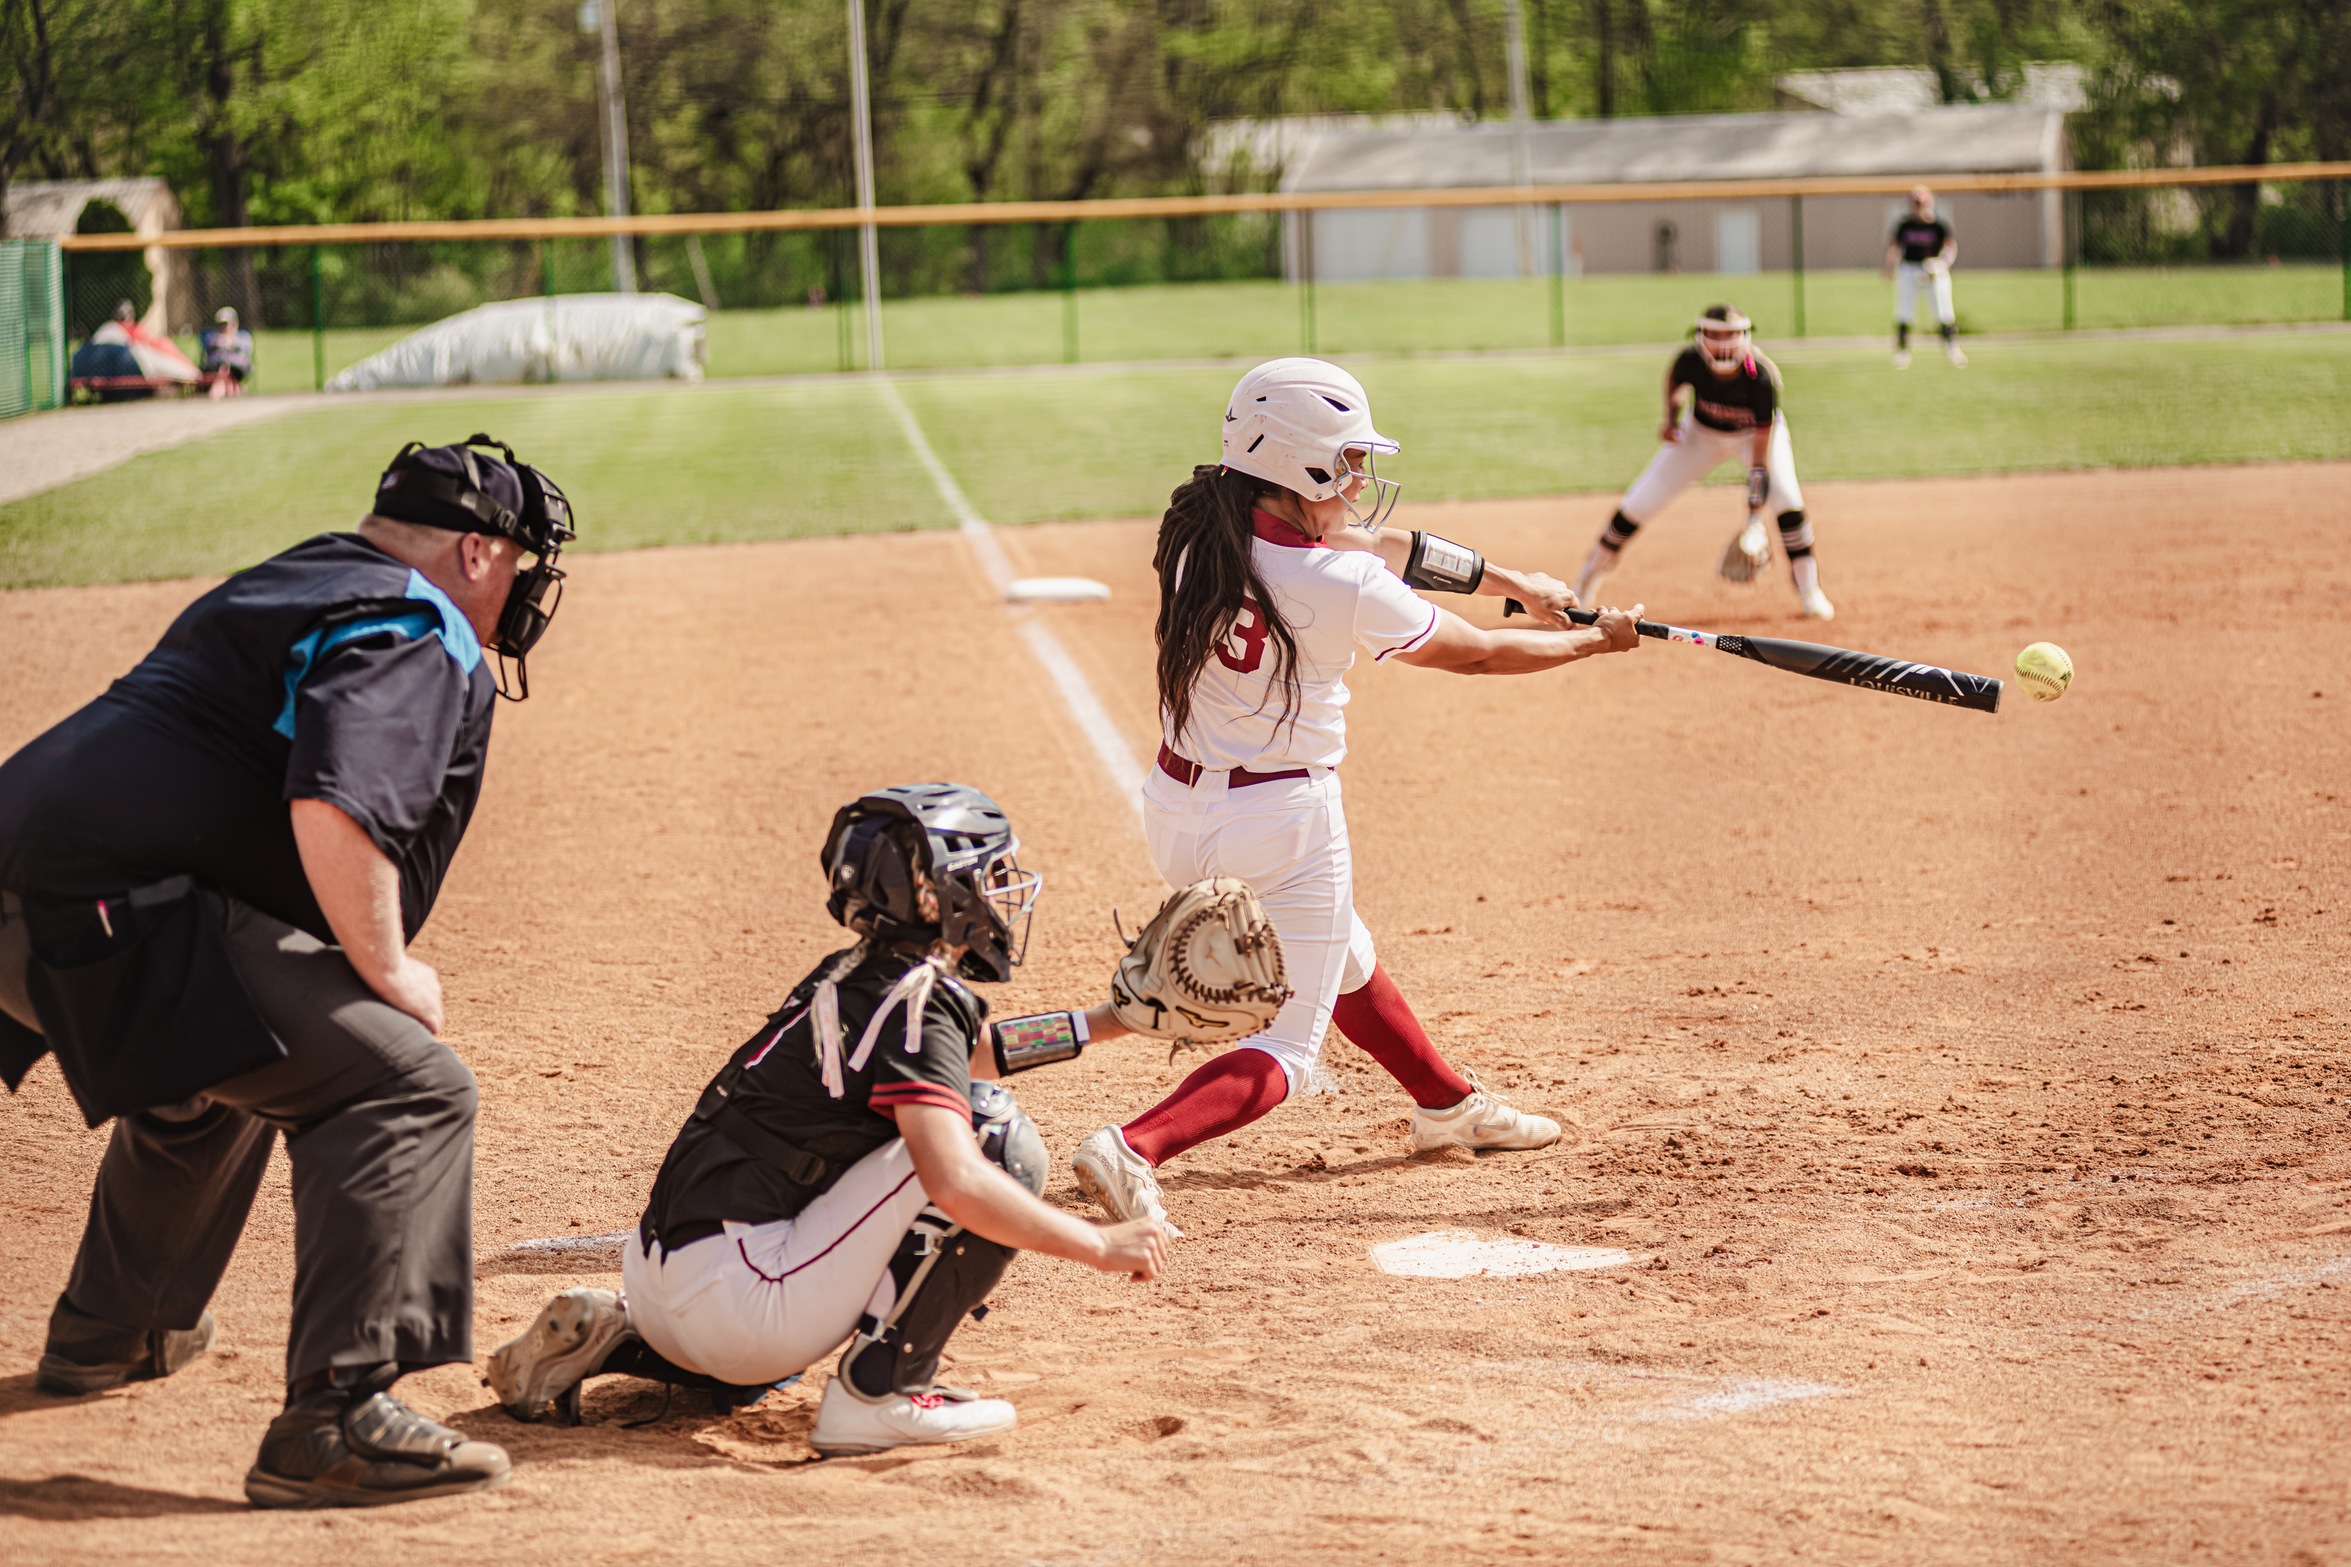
434,616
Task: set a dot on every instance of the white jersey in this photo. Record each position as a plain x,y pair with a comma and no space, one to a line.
1333,602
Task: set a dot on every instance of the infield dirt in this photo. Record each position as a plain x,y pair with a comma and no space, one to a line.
1970,1091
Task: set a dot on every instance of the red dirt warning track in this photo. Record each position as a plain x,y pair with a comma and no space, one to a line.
1971,1091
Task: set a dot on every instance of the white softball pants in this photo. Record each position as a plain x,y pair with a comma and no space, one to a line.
1680,464
1288,841
761,1301
1909,278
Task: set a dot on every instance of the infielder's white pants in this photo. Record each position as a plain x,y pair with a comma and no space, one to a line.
761,1301
1680,464
1909,278
1288,841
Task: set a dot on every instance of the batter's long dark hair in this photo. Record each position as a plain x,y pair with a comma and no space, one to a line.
1206,572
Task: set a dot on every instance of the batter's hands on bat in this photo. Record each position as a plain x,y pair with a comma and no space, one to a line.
1137,1248
1619,626
1545,597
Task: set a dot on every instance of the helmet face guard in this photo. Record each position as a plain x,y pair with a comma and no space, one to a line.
888,849
1724,340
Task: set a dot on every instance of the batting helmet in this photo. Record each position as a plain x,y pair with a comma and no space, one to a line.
882,848
1305,424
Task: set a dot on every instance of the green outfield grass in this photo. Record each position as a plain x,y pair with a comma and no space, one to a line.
683,465
1258,319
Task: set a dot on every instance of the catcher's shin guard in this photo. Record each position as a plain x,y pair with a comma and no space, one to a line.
941,1272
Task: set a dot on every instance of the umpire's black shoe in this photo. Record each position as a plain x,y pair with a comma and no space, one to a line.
75,1365
335,1447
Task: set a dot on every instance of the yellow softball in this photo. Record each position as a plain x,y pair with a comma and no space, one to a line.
2045,671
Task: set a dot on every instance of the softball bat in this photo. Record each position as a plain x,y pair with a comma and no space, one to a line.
1870,671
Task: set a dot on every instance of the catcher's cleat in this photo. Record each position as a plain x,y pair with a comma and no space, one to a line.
1951,351
1117,1180
848,1423
334,1448
1747,554
542,1368
1901,358
1481,1121
1817,605
73,1370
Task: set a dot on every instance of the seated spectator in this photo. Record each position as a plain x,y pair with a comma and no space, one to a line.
225,354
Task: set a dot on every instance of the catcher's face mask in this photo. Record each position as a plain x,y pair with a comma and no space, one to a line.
986,910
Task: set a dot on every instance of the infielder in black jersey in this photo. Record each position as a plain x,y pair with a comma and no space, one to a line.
843,1176
209,878
1919,254
1722,402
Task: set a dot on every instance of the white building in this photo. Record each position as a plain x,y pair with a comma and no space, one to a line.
1726,236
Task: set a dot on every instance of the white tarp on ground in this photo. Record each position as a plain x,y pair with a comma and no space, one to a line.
571,337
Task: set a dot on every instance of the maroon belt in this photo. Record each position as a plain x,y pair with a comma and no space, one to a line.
1188,773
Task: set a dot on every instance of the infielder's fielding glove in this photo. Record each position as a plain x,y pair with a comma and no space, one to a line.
1207,970
1748,553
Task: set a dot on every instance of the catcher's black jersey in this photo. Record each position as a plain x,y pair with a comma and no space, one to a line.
778,1080
1921,239
1742,400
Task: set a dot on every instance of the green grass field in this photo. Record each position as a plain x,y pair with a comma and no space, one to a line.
1259,319
684,465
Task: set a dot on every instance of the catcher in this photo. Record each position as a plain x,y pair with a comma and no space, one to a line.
844,1175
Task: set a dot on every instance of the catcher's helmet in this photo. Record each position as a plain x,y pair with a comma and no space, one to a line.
1305,424
959,839
1723,337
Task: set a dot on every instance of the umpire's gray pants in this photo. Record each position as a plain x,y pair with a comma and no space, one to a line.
378,1117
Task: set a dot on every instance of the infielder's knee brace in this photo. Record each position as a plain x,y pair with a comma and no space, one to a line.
1795,534
1619,532
941,1272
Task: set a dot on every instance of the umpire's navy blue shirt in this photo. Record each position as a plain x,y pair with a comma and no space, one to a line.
331,672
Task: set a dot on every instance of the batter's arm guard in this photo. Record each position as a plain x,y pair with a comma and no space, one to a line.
1437,565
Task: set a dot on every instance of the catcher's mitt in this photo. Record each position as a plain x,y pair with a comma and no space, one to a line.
1207,970
1745,557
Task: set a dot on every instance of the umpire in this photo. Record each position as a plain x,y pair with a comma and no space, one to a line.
209,878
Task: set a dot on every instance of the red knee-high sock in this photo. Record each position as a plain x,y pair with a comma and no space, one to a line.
1225,1095
1379,1021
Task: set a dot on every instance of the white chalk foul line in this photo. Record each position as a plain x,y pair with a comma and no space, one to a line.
1077,693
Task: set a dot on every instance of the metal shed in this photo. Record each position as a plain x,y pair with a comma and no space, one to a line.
1739,235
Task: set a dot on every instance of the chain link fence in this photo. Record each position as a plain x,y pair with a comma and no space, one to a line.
1235,285
32,327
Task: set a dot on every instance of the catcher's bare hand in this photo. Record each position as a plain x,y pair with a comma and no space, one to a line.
1546,598
1617,625
1137,1248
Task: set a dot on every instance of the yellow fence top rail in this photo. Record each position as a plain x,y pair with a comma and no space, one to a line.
979,212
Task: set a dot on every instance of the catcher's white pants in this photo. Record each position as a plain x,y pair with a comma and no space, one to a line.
1288,841
1912,276
1701,450
761,1301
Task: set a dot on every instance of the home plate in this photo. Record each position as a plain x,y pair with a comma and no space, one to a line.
1459,1254
1056,590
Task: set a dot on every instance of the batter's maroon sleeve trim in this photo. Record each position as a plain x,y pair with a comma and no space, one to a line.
1406,647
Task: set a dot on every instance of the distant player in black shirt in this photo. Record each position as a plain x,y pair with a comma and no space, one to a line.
1722,402
209,877
1919,255
843,1176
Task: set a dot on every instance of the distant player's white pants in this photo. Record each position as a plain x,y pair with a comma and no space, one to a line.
1288,841
1680,464
1912,276
761,1301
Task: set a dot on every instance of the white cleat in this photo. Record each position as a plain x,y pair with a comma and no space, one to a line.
848,1423
1817,605
1116,1179
1952,353
1901,358
569,1340
1480,1121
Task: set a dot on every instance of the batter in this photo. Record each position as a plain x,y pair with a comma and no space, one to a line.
1918,258
1722,402
1273,573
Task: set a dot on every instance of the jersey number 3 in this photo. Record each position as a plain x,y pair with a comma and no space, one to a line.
1243,647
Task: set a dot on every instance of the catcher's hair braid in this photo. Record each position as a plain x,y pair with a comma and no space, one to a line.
1206,570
